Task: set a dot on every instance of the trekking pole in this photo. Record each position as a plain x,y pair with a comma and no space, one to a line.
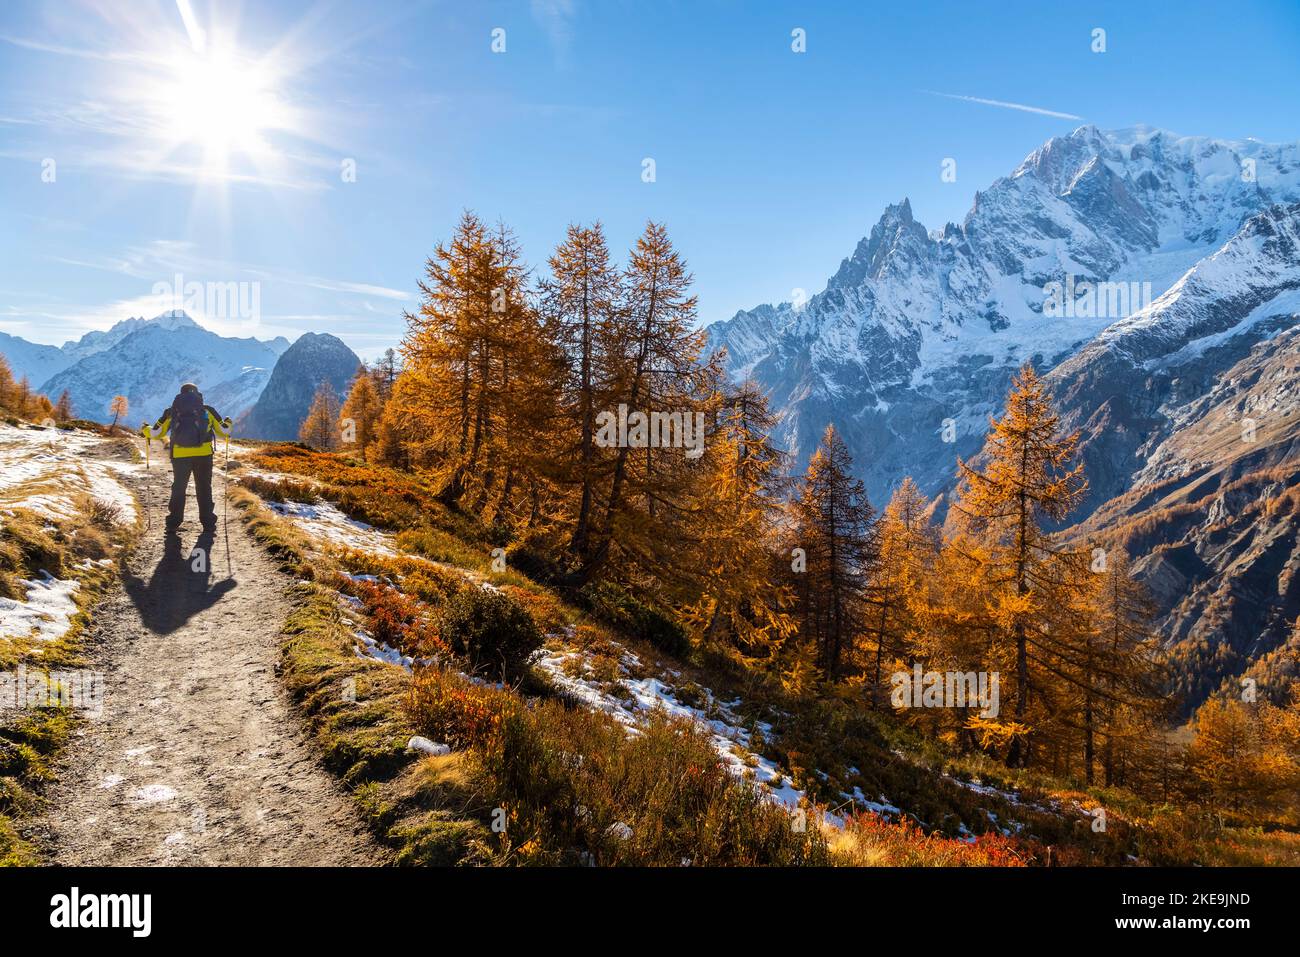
148,447
225,501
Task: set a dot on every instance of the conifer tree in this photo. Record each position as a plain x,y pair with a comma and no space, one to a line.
532,370
958,629
37,407
359,417
478,373
320,428
582,296
25,403
384,374
1123,678
651,366
836,526
737,597
399,442
908,544
1023,480
8,388
800,674
446,354
119,408
63,408
1245,756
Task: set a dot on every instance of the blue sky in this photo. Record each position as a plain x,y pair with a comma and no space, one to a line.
216,151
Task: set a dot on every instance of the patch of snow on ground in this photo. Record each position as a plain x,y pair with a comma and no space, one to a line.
860,802
323,521
378,651
729,736
370,648
54,508
104,486
247,471
45,615
1011,797
54,457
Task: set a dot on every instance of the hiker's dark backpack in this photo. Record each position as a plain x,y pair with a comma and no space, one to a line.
189,426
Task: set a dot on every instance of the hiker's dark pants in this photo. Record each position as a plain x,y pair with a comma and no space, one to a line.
200,466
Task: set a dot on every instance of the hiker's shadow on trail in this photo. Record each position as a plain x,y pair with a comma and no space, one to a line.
180,587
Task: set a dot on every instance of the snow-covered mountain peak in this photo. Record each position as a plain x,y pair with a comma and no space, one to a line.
145,360
1058,160
174,319
896,235
914,328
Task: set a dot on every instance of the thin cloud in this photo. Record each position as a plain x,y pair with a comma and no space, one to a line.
556,18
163,258
54,323
130,164
334,285
1024,108
81,53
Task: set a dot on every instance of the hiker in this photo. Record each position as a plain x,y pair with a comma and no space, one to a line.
193,427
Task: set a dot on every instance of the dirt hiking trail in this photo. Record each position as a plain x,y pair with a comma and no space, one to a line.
197,757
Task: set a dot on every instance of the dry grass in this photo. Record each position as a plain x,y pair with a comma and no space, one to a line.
572,787
869,840
31,742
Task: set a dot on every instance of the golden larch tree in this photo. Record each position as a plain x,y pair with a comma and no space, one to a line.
582,296
737,599
359,417
1023,480
119,408
320,428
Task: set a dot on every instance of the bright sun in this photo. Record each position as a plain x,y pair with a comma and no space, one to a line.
206,108
221,104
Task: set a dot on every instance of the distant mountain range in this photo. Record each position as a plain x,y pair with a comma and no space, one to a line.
917,333
147,360
1156,278
41,362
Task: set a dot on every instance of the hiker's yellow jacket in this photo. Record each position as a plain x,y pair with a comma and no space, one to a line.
160,429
